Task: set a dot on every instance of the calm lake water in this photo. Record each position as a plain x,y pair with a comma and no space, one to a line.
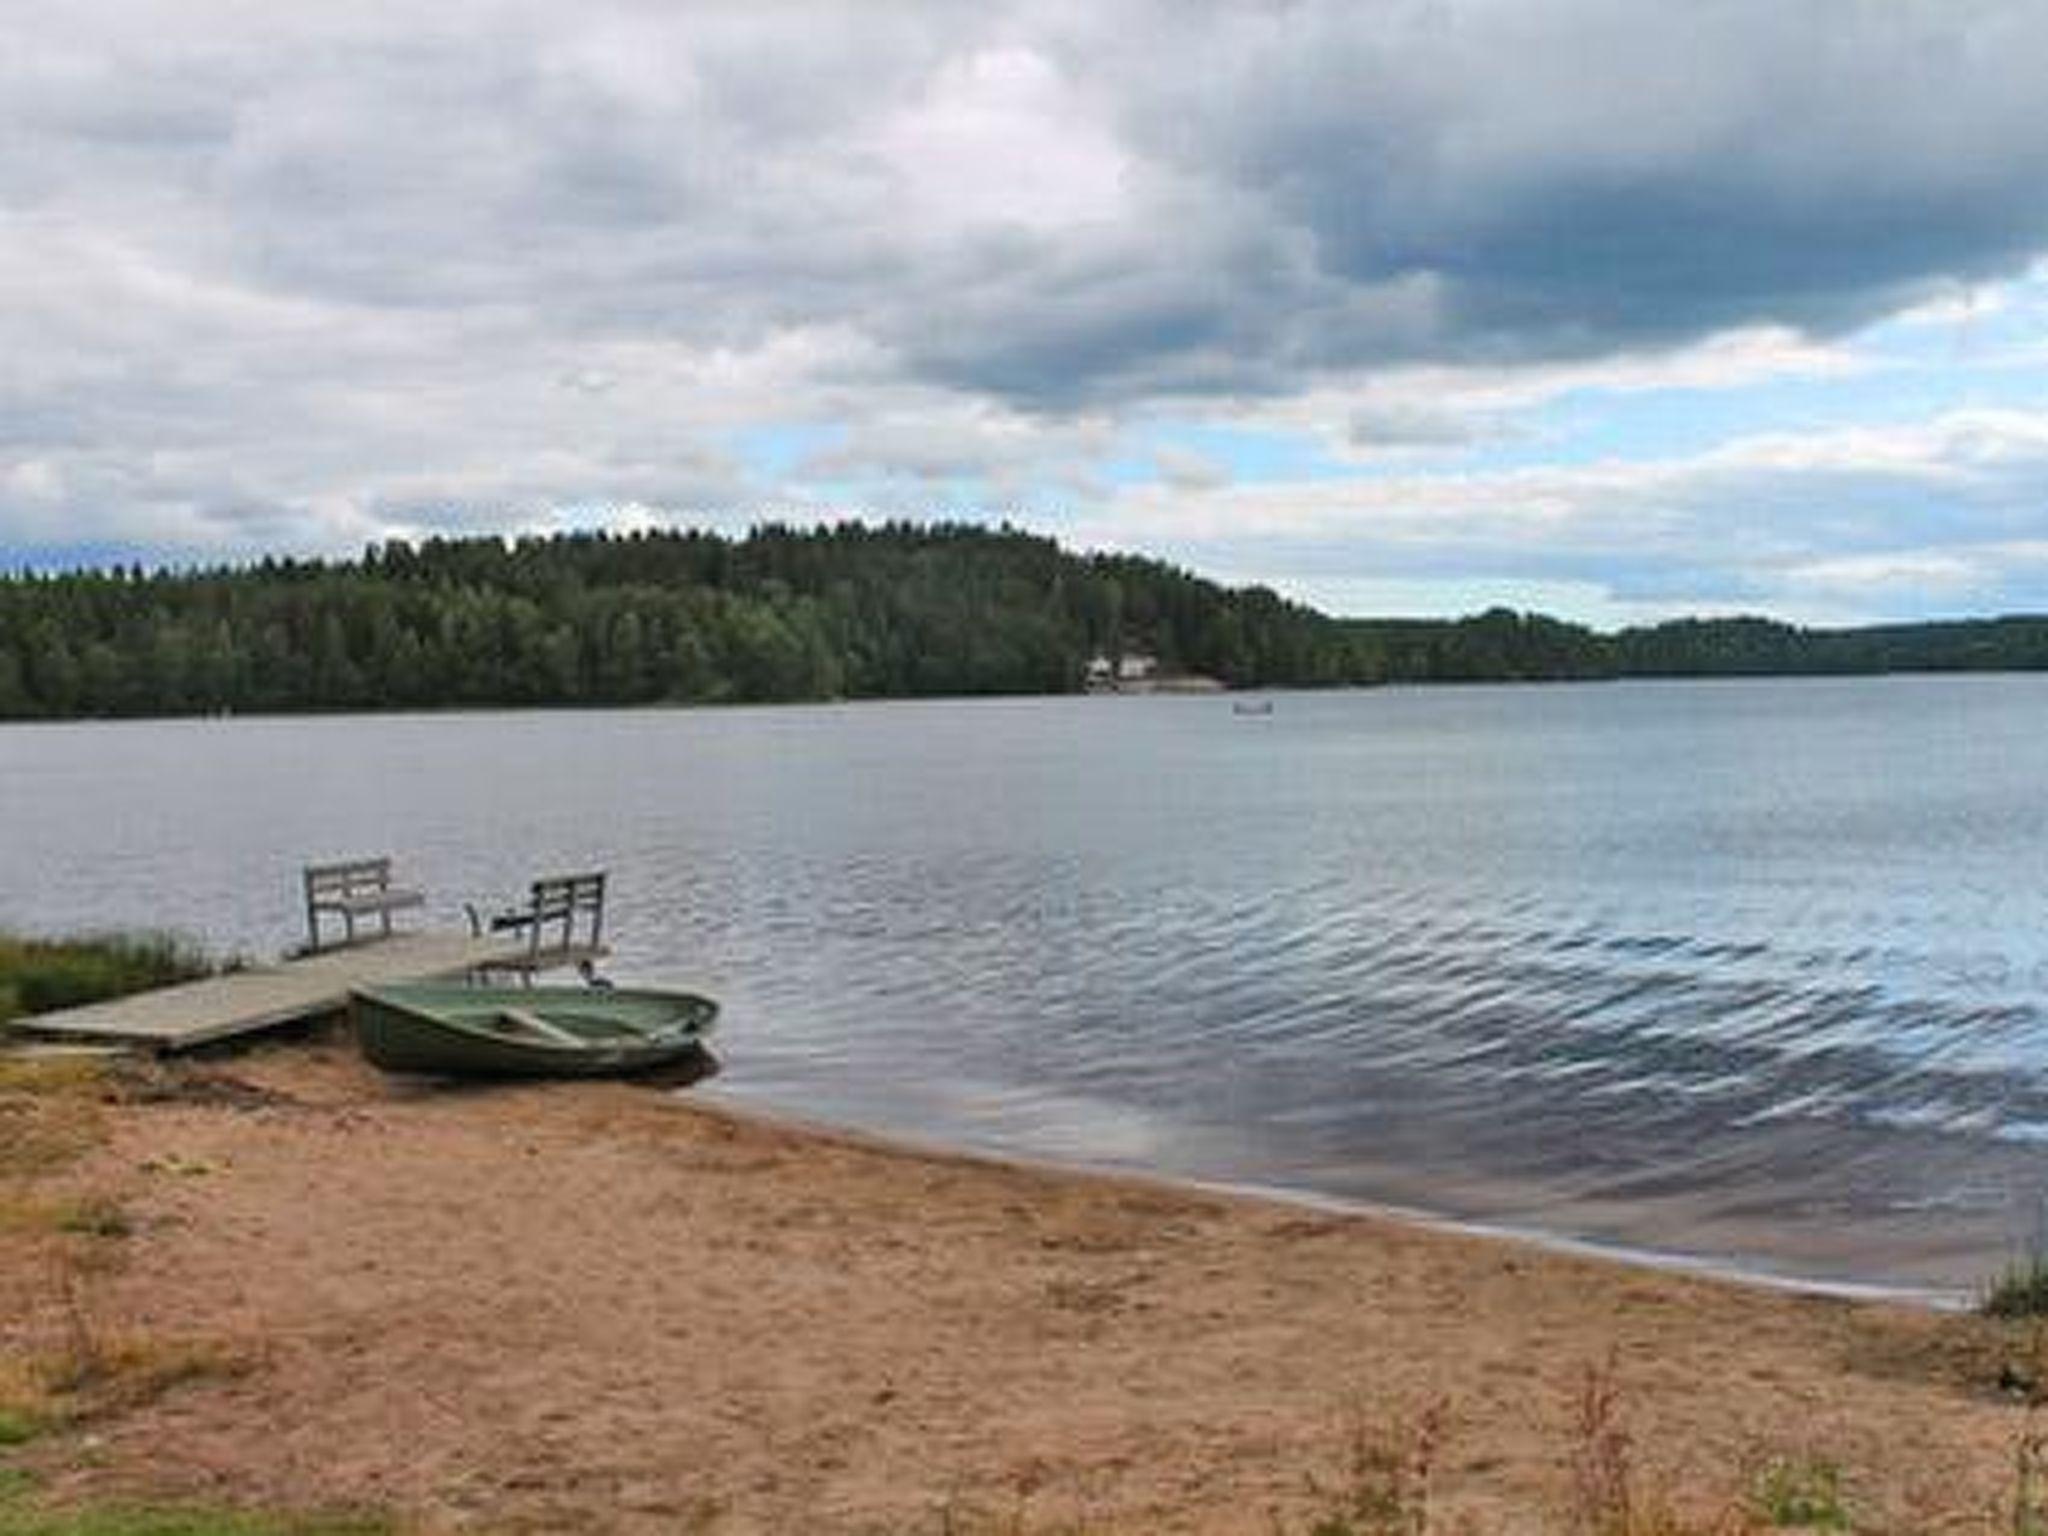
1754,972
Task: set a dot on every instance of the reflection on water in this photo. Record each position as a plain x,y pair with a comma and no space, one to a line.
1748,970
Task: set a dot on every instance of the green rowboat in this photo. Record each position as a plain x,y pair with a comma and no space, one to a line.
457,1031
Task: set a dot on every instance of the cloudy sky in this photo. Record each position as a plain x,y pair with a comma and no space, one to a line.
1611,308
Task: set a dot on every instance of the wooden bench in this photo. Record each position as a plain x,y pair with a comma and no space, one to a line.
351,889
563,921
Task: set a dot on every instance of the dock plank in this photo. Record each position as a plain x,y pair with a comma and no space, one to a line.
244,1002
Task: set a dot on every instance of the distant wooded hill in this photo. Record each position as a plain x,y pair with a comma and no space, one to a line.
850,611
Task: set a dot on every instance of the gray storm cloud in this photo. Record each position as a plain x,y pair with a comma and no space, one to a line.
269,266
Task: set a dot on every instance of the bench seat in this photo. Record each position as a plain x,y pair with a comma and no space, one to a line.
563,922
381,901
351,889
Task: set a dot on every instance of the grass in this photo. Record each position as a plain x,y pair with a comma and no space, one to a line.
90,1374
1800,1493
139,1520
95,1368
66,1363
43,975
1391,1468
22,1515
90,1215
2021,1290
50,1114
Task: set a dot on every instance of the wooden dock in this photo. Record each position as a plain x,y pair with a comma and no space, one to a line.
265,997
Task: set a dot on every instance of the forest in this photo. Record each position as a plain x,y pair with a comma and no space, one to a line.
785,614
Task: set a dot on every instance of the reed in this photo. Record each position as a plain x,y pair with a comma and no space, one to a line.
43,975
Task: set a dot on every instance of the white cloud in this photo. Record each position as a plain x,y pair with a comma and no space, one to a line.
1854,520
297,276
1000,139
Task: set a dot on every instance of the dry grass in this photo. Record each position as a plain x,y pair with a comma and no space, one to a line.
1387,1478
92,1367
47,1075
61,1360
52,1112
81,1215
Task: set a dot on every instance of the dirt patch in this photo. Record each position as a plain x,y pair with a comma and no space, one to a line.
599,1307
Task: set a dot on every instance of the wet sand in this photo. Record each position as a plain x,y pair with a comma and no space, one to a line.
600,1307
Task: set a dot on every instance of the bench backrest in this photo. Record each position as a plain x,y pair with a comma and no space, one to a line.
561,905
352,877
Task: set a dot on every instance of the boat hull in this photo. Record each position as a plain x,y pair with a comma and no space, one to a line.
458,1031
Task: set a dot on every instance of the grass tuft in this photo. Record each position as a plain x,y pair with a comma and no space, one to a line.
2021,1291
44,975
50,1113
93,1369
2029,1495
98,1369
1802,1493
78,1215
94,1216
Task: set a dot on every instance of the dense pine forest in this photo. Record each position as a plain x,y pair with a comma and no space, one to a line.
848,611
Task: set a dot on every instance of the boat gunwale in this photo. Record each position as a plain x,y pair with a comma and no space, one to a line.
699,1015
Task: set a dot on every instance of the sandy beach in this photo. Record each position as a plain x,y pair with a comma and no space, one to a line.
606,1307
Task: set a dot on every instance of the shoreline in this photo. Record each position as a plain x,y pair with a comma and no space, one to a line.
1730,1269
604,1308
1224,692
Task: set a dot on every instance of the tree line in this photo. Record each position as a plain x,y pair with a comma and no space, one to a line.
786,614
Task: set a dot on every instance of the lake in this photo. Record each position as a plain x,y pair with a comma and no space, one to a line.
1748,971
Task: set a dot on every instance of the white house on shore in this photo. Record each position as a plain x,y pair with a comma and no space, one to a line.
1133,670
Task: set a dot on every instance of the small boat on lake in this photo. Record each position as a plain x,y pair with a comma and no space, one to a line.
450,1030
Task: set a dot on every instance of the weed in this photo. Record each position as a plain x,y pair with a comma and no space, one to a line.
1605,1496
1601,1500
955,1518
1389,1472
1800,1491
